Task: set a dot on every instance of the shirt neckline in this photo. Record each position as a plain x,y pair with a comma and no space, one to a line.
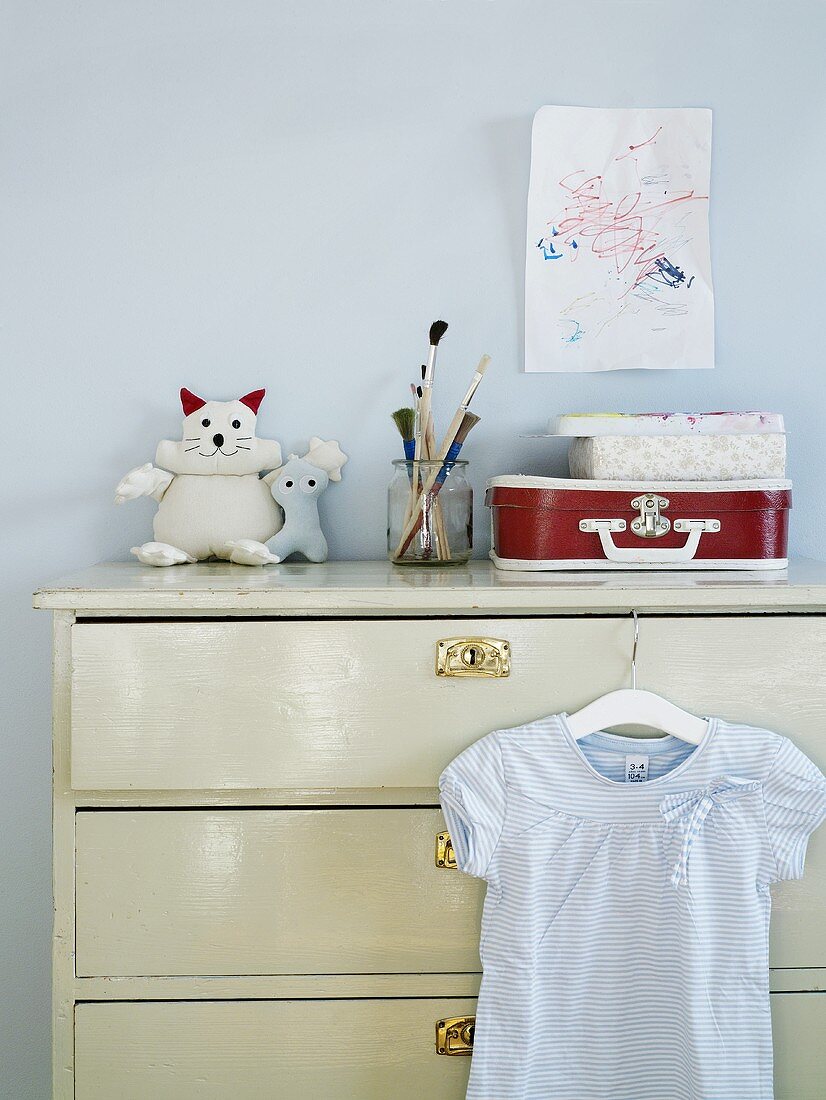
646,745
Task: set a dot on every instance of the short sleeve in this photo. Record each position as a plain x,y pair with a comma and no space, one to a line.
794,796
473,797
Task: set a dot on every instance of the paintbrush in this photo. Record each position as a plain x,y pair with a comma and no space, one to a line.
414,469
405,421
469,422
429,453
437,331
416,391
429,445
449,439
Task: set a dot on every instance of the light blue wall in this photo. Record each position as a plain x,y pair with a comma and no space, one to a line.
229,195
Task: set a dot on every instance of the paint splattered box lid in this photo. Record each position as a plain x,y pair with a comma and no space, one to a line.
665,423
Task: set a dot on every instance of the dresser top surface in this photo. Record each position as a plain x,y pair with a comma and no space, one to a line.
377,587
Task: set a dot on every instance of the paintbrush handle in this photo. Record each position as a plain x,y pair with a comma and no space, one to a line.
409,453
424,417
442,541
450,457
421,439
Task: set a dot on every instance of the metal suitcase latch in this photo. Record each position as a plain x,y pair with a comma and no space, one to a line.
649,524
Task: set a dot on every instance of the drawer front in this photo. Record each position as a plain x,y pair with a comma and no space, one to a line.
798,1026
798,920
270,892
217,705
344,1050
312,891
338,1050
311,704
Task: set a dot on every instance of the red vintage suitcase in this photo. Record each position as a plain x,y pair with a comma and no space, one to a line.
562,523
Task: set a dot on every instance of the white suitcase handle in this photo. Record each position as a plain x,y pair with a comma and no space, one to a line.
642,555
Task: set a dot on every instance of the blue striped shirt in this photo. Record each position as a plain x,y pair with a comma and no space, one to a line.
624,937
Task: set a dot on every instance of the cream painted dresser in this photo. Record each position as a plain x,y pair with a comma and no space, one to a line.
253,895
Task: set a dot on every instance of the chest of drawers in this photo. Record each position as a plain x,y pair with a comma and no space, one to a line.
252,887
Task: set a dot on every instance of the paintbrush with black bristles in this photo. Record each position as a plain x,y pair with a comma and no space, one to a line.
437,331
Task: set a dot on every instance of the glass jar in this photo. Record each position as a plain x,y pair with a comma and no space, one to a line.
442,533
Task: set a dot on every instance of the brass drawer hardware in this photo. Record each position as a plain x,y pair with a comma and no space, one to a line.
445,856
455,1035
473,657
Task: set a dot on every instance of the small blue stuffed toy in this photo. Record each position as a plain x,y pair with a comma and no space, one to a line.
296,487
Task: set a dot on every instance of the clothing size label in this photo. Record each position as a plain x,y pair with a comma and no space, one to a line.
636,769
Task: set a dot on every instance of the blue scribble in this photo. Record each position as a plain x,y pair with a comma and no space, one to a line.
650,290
577,334
548,250
667,273
690,281
671,275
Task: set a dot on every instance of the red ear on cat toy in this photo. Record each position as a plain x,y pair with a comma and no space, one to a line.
190,402
253,400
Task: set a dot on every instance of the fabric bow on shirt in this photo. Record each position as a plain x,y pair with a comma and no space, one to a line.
691,808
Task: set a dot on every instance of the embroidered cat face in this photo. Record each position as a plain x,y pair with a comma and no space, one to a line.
219,438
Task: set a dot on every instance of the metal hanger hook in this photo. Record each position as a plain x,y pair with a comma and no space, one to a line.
634,650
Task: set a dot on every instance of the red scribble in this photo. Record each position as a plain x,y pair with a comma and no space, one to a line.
625,230
633,148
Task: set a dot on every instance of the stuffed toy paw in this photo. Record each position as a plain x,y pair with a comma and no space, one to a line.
161,554
143,481
249,552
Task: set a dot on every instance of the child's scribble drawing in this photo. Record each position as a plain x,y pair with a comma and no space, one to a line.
618,267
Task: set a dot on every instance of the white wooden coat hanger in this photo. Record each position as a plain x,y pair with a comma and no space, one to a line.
633,706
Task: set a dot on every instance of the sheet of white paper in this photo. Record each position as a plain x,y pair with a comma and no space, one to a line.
618,272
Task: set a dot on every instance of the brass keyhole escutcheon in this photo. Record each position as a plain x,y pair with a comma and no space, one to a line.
445,856
490,657
454,1035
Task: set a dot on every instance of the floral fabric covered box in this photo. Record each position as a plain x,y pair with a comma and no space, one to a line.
683,458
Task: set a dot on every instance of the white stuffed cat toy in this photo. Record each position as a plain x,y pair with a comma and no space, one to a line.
211,501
